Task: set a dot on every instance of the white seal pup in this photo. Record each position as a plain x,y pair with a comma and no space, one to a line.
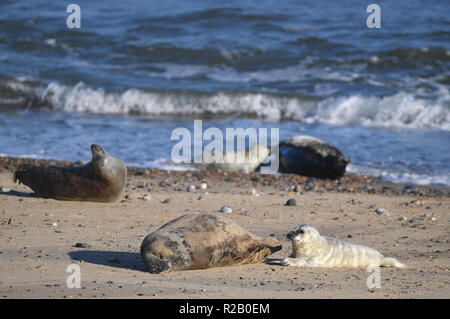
242,161
310,156
310,249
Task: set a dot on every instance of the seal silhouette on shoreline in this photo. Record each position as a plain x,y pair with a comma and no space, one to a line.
310,249
310,156
101,180
199,241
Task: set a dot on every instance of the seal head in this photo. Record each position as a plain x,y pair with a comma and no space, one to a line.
309,156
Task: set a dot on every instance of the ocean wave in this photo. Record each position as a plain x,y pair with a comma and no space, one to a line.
391,175
402,110
15,92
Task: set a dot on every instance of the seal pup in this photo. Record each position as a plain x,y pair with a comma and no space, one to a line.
199,241
310,156
310,249
101,180
244,161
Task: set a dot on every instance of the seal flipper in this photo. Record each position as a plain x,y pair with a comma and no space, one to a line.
154,264
387,261
274,261
272,243
274,249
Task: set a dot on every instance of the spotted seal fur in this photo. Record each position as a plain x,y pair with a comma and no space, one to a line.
199,241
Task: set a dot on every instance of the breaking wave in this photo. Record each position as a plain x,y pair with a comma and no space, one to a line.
401,110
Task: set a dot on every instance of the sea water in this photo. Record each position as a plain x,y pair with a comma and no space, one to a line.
137,70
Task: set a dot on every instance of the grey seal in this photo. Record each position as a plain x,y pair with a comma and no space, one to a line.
310,156
199,241
101,180
311,249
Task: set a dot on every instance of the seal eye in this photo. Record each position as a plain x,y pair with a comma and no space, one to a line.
300,231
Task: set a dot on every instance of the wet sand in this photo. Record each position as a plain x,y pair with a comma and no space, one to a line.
34,254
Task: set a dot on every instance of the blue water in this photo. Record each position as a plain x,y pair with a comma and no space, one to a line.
138,69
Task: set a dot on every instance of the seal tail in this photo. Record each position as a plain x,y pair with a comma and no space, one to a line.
392,262
274,261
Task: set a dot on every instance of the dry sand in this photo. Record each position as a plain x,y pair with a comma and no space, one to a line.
34,254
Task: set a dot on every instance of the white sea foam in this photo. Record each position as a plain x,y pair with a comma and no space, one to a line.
401,110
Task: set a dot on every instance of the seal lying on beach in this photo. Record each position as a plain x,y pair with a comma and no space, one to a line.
310,249
309,156
243,161
101,180
199,241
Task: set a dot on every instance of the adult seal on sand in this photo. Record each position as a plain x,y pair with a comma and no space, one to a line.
199,241
101,180
309,156
310,249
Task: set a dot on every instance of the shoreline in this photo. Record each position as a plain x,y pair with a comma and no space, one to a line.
34,254
349,183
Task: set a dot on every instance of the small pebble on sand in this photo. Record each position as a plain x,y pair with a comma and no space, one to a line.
203,186
291,202
82,245
54,224
382,211
146,197
191,188
226,210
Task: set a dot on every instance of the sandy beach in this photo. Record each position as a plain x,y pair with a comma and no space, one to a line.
34,254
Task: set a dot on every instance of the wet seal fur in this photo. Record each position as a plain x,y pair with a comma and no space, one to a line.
101,180
310,249
309,156
199,241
